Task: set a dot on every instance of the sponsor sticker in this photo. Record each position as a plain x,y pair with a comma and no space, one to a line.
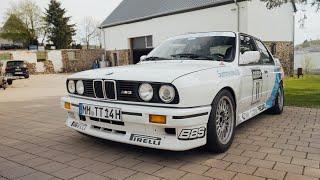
257,85
191,134
145,139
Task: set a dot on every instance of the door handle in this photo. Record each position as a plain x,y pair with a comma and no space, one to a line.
266,72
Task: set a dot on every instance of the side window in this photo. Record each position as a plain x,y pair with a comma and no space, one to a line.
265,56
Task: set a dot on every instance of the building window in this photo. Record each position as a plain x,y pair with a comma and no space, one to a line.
144,42
149,41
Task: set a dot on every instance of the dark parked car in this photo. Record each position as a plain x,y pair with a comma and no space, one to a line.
17,69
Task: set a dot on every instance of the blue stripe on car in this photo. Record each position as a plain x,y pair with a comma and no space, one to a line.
271,100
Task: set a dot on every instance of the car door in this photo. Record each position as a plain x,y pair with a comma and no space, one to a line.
252,81
268,69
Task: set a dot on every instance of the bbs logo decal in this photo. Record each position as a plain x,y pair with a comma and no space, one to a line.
145,139
191,134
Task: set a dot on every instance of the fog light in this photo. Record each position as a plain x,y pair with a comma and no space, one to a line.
158,119
67,105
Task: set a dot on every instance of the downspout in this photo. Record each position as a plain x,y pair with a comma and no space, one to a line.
294,30
238,15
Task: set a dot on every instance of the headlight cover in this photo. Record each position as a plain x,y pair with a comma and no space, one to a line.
80,87
71,86
146,92
167,93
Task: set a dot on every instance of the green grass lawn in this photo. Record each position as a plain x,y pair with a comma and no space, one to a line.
303,92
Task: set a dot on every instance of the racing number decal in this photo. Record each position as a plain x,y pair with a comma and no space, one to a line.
257,85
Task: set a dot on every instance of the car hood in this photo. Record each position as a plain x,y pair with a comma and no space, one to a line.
154,71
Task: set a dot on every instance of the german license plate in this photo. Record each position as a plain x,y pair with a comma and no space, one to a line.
100,112
79,125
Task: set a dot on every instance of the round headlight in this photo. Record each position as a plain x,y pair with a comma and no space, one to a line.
146,92
71,87
167,93
80,87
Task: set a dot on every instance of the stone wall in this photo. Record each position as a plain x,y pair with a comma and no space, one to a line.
285,52
123,57
79,60
31,67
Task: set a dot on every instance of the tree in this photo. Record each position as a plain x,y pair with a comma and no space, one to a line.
14,29
60,32
30,14
90,31
277,3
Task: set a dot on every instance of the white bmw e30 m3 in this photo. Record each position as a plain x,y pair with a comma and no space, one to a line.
190,91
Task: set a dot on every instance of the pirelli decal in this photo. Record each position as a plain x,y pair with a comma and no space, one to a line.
145,139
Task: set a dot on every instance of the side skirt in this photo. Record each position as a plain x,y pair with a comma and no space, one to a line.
251,113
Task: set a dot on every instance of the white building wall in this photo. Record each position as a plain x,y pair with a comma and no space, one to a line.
28,56
255,19
221,18
56,57
270,24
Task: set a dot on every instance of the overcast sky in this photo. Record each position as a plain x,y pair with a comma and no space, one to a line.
100,9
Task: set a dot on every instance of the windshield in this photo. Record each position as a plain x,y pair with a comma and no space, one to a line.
215,48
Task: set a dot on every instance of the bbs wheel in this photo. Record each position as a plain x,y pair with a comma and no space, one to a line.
279,101
221,124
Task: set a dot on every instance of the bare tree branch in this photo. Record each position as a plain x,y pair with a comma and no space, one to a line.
90,31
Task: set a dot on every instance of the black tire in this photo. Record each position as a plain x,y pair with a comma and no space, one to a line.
26,76
214,144
9,81
279,102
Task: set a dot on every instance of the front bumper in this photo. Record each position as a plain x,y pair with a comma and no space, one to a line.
136,129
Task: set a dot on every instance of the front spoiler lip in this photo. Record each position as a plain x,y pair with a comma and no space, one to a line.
171,143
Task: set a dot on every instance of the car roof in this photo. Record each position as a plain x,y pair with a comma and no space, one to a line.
15,61
203,34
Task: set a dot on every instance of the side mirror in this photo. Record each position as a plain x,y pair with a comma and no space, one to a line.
249,57
144,57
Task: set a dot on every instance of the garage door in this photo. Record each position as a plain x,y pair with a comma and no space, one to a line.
141,46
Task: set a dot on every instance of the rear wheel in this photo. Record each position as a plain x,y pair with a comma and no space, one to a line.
26,76
9,81
221,124
279,102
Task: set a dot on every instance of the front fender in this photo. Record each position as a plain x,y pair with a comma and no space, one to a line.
200,88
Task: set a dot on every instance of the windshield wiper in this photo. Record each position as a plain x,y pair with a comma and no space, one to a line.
192,56
154,58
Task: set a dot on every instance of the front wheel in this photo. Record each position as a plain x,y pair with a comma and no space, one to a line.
279,102
221,124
